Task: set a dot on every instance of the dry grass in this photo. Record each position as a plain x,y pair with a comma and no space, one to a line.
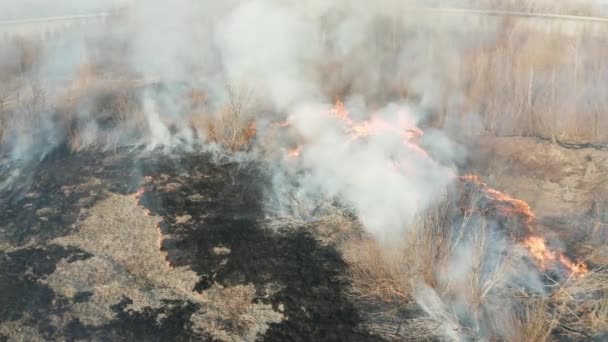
529,80
583,303
127,261
385,273
527,77
374,275
534,322
464,277
522,80
232,315
232,126
19,92
528,84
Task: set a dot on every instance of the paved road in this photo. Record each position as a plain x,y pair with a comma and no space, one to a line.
567,23
39,27
66,18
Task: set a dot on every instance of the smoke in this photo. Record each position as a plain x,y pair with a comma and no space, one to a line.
130,86
384,179
474,294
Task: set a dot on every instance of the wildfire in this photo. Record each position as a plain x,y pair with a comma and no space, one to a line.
138,194
340,111
404,127
159,242
294,153
537,246
161,248
577,269
508,207
499,203
546,258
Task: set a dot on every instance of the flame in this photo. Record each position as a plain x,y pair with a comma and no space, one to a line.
501,203
404,127
340,111
140,192
577,269
159,242
506,205
546,258
537,246
294,153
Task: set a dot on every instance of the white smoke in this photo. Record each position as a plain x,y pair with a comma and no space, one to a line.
386,180
297,57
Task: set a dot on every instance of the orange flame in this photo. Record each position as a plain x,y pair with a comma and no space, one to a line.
340,111
546,258
502,203
537,246
576,269
507,206
138,194
405,128
159,241
294,153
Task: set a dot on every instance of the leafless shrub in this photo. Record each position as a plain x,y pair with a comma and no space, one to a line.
233,125
530,81
18,58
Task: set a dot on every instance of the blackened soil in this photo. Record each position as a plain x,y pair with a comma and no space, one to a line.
226,210
224,203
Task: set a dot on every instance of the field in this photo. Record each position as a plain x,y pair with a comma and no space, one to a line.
280,171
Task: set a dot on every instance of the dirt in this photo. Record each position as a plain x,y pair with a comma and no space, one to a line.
197,258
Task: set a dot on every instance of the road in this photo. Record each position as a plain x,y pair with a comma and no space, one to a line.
564,23
41,27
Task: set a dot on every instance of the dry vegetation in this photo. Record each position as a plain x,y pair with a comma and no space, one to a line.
542,80
525,81
232,126
492,75
540,84
128,262
466,279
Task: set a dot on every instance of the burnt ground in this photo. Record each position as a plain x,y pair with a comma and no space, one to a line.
202,206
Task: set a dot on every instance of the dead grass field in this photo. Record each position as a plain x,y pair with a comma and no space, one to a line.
480,300
518,81
521,82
